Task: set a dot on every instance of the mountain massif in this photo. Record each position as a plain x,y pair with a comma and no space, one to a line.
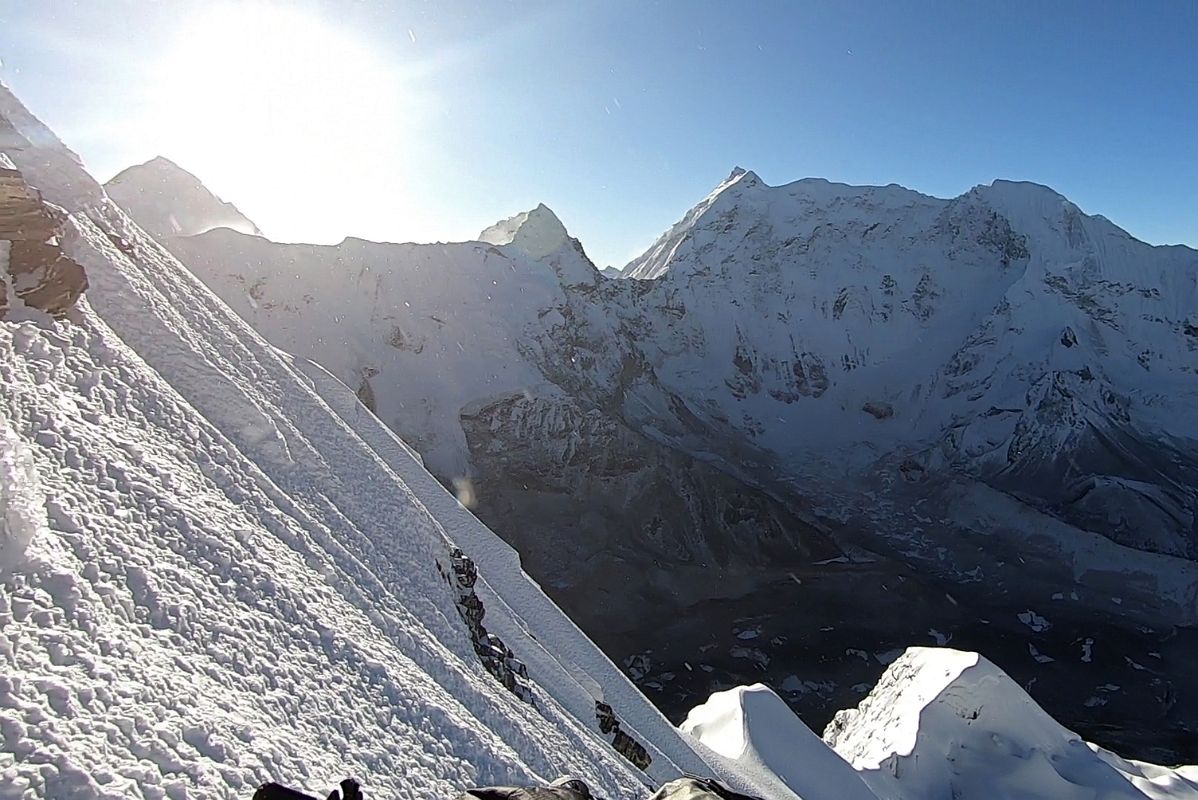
812,425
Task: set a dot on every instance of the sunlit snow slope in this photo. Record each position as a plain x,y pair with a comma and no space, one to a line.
945,723
216,570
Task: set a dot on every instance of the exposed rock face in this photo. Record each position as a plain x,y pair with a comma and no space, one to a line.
38,274
625,745
572,486
23,215
495,656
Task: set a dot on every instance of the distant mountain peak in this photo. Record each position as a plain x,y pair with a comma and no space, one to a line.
173,202
742,176
537,232
164,163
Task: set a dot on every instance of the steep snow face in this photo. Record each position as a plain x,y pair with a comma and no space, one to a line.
169,201
239,578
537,233
944,723
752,726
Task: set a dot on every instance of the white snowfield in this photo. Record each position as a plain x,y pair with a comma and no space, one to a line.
216,569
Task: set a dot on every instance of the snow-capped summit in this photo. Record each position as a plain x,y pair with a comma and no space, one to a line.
751,726
944,723
742,205
537,232
170,201
541,236
746,177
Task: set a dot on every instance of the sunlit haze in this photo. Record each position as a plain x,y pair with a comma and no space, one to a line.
428,121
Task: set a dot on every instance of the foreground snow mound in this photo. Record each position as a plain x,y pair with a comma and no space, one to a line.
947,723
753,727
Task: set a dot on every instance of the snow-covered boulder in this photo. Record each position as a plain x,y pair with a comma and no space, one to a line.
22,504
944,723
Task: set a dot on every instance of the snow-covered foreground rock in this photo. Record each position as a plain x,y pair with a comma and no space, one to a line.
215,569
944,723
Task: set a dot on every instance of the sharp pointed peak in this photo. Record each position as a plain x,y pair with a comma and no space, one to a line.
742,176
537,231
162,161
167,200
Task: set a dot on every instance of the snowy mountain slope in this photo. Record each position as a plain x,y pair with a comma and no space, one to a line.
168,201
1005,332
234,581
448,344
417,330
991,390
945,723
955,391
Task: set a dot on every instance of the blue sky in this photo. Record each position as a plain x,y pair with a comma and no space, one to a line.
429,120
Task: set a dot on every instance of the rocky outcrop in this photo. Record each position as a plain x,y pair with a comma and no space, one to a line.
625,745
36,273
495,656
878,410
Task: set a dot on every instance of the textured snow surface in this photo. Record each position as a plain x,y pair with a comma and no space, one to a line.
946,723
238,576
753,727
425,329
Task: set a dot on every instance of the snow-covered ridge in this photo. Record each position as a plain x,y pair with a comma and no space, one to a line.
744,191
751,726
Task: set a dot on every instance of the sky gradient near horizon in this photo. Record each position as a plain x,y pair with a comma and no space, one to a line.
428,121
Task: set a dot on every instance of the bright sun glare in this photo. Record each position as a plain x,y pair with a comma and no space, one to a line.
268,89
